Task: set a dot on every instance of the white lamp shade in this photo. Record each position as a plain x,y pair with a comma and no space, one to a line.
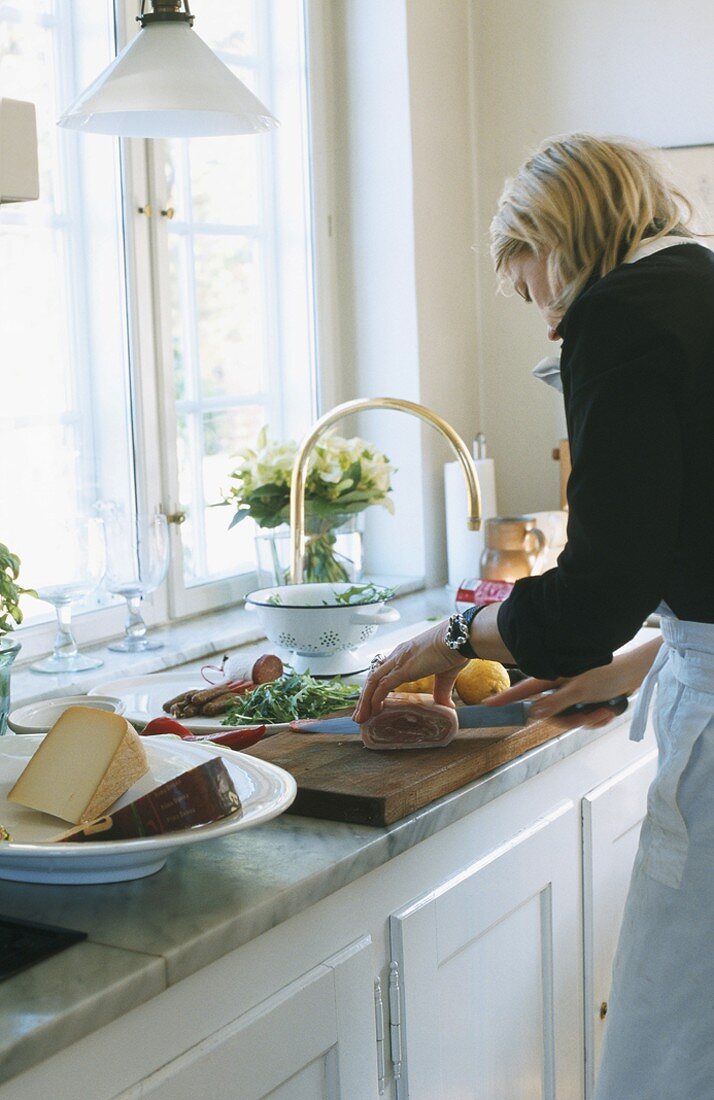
19,180
167,83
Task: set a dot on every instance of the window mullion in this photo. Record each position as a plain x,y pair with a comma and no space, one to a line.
163,380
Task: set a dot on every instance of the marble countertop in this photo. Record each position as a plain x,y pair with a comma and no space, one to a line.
222,895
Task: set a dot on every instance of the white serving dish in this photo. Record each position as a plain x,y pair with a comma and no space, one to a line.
40,716
264,790
324,637
143,698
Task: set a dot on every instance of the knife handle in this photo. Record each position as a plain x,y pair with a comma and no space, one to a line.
618,705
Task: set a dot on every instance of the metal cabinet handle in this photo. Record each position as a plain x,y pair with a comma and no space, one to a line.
168,212
176,517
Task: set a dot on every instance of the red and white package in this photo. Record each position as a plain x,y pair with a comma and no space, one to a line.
474,590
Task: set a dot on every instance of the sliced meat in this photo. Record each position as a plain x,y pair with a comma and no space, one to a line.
409,721
267,669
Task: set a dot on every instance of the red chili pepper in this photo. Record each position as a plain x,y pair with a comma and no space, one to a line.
232,739
165,725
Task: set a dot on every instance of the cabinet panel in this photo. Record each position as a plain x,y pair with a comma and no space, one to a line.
491,974
612,816
313,1040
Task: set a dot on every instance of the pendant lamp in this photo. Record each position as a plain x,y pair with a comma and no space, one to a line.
167,83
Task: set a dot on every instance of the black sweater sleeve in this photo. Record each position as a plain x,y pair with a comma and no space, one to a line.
620,383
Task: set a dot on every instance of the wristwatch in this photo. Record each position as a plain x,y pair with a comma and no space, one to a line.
458,631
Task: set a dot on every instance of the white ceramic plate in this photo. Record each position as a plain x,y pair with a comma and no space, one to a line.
143,698
264,790
40,716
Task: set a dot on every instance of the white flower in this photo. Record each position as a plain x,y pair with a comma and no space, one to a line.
271,462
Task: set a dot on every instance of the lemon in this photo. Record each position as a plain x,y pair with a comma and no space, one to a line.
423,686
480,679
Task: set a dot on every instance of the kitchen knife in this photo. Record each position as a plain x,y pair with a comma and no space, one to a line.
470,718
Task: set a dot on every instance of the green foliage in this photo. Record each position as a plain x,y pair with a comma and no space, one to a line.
361,594
10,591
345,476
291,697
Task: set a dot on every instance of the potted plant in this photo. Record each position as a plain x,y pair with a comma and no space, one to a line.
10,617
345,476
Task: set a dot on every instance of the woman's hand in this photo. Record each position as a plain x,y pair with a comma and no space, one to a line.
623,676
421,656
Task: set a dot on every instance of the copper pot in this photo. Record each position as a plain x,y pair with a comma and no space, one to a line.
513,545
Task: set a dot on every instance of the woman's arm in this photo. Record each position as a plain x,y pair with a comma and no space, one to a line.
622,677
623,378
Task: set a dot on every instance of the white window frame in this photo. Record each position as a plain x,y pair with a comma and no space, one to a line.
185,601
151,366
95,626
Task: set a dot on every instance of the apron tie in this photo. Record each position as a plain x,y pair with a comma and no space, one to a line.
644,698
684,673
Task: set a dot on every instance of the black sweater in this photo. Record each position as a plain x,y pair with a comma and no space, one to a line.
638,381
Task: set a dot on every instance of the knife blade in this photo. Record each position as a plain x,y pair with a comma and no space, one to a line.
470,717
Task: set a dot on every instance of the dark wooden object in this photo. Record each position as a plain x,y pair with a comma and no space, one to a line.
340,780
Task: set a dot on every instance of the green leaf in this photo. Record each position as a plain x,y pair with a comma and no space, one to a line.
240,515
353,473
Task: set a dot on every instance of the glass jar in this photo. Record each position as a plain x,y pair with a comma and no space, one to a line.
9,649
333,550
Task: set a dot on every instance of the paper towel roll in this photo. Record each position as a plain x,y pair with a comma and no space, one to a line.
464,547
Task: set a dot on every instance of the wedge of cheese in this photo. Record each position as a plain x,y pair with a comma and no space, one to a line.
86,762
197,797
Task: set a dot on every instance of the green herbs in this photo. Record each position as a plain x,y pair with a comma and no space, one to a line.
292,696
361,593
10,591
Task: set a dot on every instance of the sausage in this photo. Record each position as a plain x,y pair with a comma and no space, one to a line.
219,705
264,670
409,721
267,669
179,700
184,710
200,698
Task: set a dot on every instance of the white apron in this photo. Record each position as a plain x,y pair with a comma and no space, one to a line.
659,1042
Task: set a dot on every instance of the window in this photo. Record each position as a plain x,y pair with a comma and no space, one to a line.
140,352
65,413
236,257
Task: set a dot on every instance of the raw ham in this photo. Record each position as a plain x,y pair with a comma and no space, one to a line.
409,721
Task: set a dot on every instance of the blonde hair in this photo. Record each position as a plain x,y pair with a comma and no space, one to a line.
585,203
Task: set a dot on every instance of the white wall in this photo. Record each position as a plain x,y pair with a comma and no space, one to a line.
435,103
403,235
636,67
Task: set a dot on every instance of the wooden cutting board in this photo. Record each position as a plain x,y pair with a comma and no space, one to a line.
340,780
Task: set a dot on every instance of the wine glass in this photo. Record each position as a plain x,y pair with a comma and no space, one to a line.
137,562
79,555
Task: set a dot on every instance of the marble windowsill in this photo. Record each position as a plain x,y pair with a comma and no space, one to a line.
220,895
187,642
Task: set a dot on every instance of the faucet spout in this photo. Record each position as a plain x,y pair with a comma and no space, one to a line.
299,474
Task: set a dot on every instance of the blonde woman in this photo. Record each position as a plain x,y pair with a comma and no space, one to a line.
591,233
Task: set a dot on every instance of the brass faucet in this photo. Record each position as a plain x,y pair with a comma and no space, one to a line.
299,474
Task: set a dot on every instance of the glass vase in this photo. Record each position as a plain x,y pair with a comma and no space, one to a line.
333,551
9,650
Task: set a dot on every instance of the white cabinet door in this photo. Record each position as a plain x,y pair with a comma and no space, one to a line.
490,973
314,1040
612,816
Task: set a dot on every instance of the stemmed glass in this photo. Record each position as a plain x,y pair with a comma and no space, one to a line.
79,556
137,562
